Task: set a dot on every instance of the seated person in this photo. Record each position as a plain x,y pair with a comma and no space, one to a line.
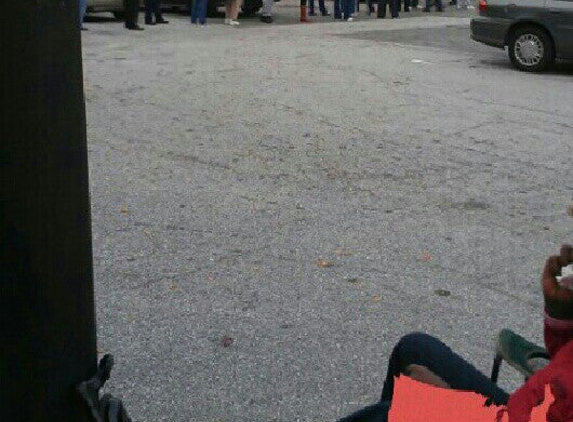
426,359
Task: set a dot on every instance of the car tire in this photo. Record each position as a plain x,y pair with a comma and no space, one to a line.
531,49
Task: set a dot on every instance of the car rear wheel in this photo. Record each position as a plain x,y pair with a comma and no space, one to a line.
531,49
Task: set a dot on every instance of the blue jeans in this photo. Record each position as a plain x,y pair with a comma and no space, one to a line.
343,7
199,11
152,7
425,350
83,7
393,5
321,6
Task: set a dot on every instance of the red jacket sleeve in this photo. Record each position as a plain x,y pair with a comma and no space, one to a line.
530,395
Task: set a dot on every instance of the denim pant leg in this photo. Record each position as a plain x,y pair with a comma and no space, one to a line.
348,8
337,11
321,5
203,4
149,9
83,6
157,9
423,349
382,8
439,5
395,7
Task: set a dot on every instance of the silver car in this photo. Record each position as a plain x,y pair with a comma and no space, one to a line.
536,32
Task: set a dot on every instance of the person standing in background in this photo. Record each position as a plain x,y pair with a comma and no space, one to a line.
199,11
438,3
267,13
321,6
153,7
131,10
83,7
232,12
392,5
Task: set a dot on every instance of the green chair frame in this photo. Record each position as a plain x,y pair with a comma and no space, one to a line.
517,352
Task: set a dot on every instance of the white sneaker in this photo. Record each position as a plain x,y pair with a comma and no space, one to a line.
349,19
234,23
227,21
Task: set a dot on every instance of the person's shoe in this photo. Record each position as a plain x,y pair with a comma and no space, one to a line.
267,19
134,27
149,21
350,19
406,10
234,23
337,16
227,21
426,10
439,10
161,21
325,12
311,13
83,28
194,22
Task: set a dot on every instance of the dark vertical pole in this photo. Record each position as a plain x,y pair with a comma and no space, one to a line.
48,335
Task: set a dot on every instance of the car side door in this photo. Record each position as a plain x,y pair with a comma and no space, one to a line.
560,17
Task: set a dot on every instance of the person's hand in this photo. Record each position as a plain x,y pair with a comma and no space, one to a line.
558,299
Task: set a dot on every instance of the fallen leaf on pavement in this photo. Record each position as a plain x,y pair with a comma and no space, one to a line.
375,298
323,263
124,210
226,341
342,253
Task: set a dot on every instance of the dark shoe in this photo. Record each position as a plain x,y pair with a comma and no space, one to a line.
134,27
150,23
406,10
337,16
267,19
439,10
161,21
149,20
426,10
311,14
380,16
325,12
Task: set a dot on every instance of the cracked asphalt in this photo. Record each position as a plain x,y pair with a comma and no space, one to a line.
275,205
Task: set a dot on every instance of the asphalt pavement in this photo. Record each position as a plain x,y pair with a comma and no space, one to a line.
275,205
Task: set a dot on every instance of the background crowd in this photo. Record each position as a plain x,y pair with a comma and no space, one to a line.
343,9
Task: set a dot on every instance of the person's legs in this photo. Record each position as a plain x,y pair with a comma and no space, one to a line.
439,6
382,8
267,8
83,7
149,11
394,8
311,8
337,11
322,8
429,352
235,6
194,11
203,5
